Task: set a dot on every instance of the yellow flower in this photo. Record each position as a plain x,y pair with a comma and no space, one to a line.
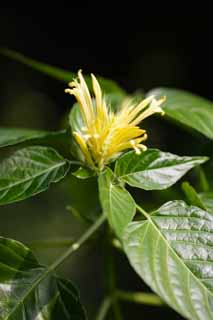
106,134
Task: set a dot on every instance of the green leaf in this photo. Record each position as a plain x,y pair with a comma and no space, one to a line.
12,136
118,205
58,73
192,196
204,200
187,109
207,199
30,171
203,183
29,291
154,169
84,198
83,173
172,251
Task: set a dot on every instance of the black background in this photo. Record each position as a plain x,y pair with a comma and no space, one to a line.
116,44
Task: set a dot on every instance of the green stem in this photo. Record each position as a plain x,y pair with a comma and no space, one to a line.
139,297
76,245
61,243
116,309
104,308
75,162
112,281
144,213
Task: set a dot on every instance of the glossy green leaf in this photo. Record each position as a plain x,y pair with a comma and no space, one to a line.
154,169
30,171
30,291
188,109
117,203
172,251
192,196
58,73
12,136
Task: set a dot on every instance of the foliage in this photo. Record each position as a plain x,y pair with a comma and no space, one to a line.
169,248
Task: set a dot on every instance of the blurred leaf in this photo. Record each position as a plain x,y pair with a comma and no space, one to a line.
172,252
30,171
192,196
188,109
30,291
203,183
83,173
118,205
12,136
207,199
59,74
114,100
154,169
84,201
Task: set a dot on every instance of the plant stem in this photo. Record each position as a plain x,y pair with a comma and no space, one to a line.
104,308
75,162
144,213
140,297
111,281
76,245
116,310
61,243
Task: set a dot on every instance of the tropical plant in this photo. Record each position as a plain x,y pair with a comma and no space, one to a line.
169,245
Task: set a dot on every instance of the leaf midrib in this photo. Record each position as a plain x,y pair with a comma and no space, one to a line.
177,256
36,283
153,169
34,176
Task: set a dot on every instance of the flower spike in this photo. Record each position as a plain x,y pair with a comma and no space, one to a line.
107,134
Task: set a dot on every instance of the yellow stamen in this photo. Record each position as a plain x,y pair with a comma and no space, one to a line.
153,108
106,134
81,141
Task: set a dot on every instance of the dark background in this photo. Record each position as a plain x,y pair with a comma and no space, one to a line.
105,43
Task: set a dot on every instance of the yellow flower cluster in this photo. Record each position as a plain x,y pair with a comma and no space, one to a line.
106,134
